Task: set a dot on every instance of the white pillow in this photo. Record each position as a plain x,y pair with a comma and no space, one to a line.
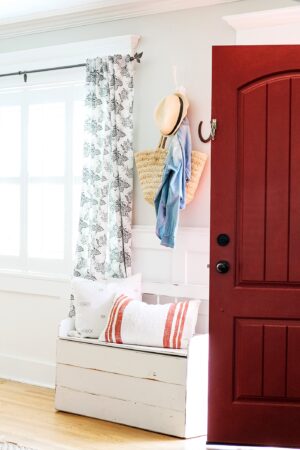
93,300
132,322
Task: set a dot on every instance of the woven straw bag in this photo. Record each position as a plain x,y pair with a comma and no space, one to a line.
198,162
150,166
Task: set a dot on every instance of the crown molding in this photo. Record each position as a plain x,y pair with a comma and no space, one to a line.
67,54
61,55
109,10
262,19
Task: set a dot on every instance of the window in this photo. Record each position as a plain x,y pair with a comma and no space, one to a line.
41,142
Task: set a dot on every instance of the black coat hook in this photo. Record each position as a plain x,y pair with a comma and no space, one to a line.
213,127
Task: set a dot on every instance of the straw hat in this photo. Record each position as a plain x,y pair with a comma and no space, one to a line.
170,112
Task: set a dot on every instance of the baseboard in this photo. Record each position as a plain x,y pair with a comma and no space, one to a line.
26,370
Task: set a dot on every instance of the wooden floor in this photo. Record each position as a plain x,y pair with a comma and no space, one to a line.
27,416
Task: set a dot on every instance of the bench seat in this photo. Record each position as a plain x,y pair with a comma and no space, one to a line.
161,390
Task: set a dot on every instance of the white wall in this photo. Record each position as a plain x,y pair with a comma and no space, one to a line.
28,323
28,330
183,38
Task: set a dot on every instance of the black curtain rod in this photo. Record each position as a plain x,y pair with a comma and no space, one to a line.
137,57
47,69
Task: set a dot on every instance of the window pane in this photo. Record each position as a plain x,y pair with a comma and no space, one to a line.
10,140
76,209
46,220
78,137
46,139
10,219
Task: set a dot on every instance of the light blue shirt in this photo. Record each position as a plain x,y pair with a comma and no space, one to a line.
171,194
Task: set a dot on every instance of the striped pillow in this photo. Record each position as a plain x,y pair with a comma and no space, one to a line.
133,322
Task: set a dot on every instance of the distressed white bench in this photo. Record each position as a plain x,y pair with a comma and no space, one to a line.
161,390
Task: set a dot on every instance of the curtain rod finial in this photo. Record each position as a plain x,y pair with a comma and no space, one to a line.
137,57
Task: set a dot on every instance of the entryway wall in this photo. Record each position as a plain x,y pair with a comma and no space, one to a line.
32,306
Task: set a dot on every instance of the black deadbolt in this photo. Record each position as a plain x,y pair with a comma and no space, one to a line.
223,239
222,266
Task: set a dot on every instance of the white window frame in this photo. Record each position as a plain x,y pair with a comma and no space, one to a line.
39,58
68,94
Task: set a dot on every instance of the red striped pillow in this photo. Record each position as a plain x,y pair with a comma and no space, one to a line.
113,329
132,322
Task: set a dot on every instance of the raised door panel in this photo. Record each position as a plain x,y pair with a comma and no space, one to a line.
274,360
277,182
294,247
266,360
252,170
249,359
293,354
268,194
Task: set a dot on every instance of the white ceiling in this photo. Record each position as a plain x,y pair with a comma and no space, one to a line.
20,10
26,17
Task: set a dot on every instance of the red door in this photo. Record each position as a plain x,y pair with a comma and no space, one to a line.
254,390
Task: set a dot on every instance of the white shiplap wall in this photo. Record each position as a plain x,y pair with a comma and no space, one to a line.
185,266
32,305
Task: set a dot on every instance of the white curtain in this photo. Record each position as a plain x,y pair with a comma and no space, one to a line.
104,241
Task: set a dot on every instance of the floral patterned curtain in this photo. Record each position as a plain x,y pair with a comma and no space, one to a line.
104,242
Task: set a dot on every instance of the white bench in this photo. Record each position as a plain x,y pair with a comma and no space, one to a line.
161,390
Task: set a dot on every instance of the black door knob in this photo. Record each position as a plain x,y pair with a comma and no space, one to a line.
222,266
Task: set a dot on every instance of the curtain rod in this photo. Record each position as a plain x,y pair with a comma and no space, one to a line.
137,57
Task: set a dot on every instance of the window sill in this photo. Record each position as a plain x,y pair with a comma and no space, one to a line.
46,285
